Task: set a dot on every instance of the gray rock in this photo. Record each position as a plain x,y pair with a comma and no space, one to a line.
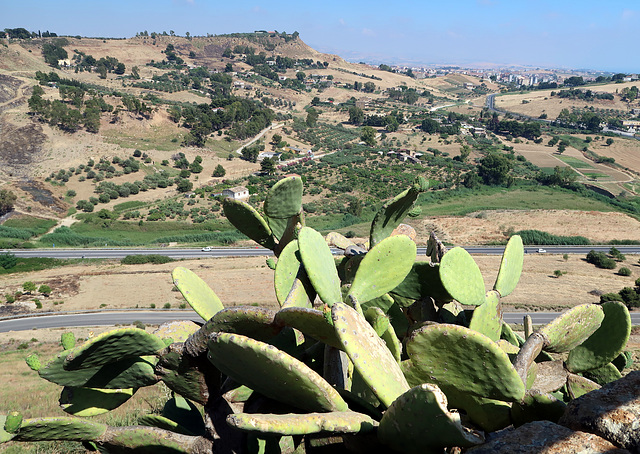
612,412
544,437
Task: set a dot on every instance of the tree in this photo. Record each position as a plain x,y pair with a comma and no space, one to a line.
368,135
609,141
219,171
268,166
119,69
562,147
356,115
184,185
276,139
369,87
494,169
7,199
301,76
45,290
312,116
465,150
102,71
430,126
228,68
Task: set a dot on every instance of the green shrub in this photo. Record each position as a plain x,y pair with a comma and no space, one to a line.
38,303
138,324
616,254
10,299
45,290
149,258
601,260
624,271
29,287
606,297
537,237
152,305
8,260
167,305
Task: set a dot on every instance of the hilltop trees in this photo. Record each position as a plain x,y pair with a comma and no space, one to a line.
494,169
7,199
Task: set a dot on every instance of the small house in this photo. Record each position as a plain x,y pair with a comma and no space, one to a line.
238,192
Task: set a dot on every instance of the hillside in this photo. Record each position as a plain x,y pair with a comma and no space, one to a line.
177,108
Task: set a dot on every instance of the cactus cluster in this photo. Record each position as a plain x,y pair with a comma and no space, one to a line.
372,350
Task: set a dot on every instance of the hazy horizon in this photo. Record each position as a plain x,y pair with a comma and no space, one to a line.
560,34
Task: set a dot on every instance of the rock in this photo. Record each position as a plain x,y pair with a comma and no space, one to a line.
405,229
612,412
545,437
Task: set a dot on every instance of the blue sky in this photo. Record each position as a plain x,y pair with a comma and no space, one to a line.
600,35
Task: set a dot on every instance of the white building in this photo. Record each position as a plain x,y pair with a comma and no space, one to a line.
239,192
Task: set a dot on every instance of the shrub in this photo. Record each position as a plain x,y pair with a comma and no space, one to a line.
38,303
8,260
610,297
624,271
138,324
167,305
45,290
29,287
601,260
10,299
616,254
150,258
152,305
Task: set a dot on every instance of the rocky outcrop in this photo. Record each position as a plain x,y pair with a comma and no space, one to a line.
548,438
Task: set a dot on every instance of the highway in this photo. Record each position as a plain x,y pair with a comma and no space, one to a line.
110,318
190,253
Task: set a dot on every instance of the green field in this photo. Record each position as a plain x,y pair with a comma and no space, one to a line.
575,162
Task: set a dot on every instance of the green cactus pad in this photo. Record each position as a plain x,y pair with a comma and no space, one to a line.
177,330
510,336
418,421
487,318
510,267
394,211
112,346
457,356
149,440
383,268
536,407
33,361
271,262
161,422
284,199
86,402
310,322
606,343
252,321
246,219
623,361
287,271
488,414
572,328
12,422
185,413
603,375
178,372
579,386
198,294
338,240
60,428
369,354
248,361
68,341
347,422
461,277
423,280
319,265
134,372
4,435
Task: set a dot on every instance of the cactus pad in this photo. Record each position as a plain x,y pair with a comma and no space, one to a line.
112,346
284,199
347,422
287,270
68,341
423,280
251,321
4,435
487,318
246,219
606,343
12,422
198,294
319,265
536,407
91,402
603,375
488,414
177,330
418,421
579,386
310,322
185,413
383,268
457,356
161,422
510,267
248,361
461,277
33,361
572,328
60,428
394,211
369,354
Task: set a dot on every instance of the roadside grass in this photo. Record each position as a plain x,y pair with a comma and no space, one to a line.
491,198
35,224
28,264
23,390
223,148
575,162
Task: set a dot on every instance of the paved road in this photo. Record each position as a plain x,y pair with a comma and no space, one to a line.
183,253
157,317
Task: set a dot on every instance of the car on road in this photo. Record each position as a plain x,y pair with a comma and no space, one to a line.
206,249
542,250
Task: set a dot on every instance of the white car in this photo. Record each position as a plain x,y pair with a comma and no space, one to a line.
206,249
542,250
